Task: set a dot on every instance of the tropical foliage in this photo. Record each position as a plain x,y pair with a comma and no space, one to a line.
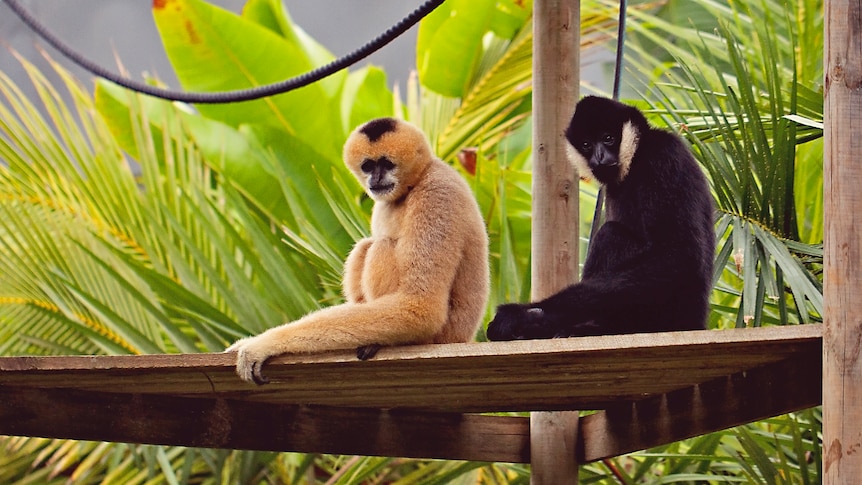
132,225
747,98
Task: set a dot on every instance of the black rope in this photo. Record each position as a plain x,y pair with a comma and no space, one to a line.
229,96
618,68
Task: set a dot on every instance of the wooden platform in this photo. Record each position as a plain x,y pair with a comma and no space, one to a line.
422,401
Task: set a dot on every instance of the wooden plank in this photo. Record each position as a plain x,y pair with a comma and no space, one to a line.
842,248
554,447
196,400
222,423
783,387
556,72
556,60
560,374
210,420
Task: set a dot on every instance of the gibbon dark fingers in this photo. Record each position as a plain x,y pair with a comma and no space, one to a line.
649,267
514,321
422,275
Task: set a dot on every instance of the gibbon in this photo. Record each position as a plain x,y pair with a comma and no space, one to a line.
649,267
422,276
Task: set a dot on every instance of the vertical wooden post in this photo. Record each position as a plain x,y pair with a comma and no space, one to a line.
556,59
842,277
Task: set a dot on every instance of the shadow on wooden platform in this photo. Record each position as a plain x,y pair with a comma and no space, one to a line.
424,401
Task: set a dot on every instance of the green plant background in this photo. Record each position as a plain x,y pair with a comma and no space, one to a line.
132,225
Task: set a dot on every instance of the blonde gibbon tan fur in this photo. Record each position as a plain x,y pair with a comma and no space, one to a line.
422,276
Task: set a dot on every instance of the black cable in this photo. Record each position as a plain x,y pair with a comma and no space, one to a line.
621,42
618,67
229,96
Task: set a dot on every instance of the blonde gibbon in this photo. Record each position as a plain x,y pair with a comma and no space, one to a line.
422,276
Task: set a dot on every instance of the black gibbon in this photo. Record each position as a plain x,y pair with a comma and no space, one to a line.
422,276
649,267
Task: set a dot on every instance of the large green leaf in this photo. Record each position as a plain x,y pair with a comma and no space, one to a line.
365,97
212,49
74,220
449,43
236,154
273,15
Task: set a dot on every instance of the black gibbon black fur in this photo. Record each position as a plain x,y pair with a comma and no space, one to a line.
649,267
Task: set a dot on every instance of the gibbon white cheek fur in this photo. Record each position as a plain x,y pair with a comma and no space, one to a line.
422,276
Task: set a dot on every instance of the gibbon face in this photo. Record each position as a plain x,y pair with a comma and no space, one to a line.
603,137
387,156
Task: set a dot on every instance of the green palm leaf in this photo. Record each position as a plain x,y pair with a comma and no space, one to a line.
735,94
130,225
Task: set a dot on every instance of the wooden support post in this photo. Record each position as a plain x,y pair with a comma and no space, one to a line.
842,175
556,44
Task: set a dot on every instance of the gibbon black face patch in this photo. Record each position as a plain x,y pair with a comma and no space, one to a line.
377,128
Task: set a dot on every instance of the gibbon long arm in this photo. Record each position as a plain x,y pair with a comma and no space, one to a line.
422,276
649,268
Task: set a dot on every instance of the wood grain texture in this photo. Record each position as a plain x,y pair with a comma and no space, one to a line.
222,423
408,401
556,61
559,374
842,269
556,77
752,395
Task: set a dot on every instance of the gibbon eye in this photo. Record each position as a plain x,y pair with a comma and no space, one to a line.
386,164
586,146
367,166
608,139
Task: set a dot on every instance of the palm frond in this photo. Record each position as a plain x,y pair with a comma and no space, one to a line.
735,95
